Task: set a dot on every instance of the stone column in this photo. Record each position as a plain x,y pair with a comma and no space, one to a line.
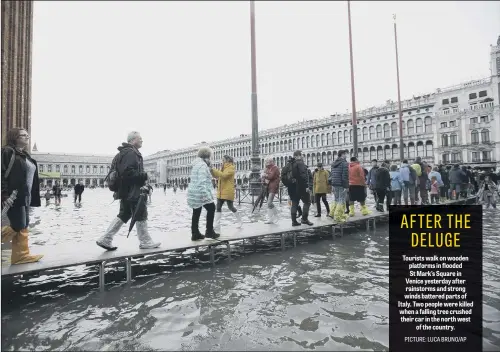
17,29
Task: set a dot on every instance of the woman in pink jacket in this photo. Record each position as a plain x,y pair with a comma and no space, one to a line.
271,177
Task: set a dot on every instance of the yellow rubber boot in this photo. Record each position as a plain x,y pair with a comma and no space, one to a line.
351,210
340,215
20,250
333,206
7,234
365,211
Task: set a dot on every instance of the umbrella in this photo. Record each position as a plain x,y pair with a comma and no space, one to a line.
12,197
140,204
260,199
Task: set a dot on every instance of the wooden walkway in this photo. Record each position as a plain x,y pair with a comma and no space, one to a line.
56,257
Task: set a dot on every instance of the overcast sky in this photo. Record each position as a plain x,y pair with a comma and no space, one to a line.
179,72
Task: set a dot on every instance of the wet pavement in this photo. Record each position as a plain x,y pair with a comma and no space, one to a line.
321,295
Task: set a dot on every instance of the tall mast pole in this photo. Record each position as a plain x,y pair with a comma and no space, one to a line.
254,179
353,94
401,145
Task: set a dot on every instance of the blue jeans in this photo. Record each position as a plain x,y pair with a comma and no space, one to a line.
339,193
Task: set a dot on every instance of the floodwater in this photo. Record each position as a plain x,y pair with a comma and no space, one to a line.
322,295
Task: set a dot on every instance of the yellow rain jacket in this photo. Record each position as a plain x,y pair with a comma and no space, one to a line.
321,181
225,189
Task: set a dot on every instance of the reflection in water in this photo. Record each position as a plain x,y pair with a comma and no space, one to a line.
322,295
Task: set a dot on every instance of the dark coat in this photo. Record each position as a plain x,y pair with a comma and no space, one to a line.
300,174
130,169
16,180
339,174
382,178
79,189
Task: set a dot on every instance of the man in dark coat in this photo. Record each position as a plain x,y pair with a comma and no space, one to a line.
132,183
382,185
300,189
79,188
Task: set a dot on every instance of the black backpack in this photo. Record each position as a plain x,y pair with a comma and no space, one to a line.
113,178
286,175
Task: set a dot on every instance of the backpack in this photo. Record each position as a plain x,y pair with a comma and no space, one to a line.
113,178
286,175
413,175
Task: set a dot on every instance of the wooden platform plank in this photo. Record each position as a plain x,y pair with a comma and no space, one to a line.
58,256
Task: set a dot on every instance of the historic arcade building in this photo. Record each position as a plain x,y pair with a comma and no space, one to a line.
458,124
70,169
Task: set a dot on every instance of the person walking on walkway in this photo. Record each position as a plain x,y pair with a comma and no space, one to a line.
296,178
371,179
382,185
225,191
131,184
409,178
19,173
339,179
199,195
396,185
56,190
79,188
271,178
357,187
320,183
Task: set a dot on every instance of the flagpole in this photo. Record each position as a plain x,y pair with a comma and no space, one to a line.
353,94
401,145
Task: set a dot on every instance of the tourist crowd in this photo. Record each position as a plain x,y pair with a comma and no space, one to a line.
349,182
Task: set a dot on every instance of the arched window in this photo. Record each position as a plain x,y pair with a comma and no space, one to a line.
329,158
420,125
365,133
429,149
317,141
65,168
366,155
88,169
350,136
387,131
346,137
485,136
303,143
474,137
387,152
372,133
73,169
379,131
308,159
380,152
95,169
420,149
404,129
410,126
294,142
313,142
453,139
444,140
49,168
411,150
102,169
373,153
308,141
395,152
341,137
394,129
428,124
324,140
40,167
58,168
334,138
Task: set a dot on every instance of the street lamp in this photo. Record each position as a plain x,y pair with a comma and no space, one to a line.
255,175
401,146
